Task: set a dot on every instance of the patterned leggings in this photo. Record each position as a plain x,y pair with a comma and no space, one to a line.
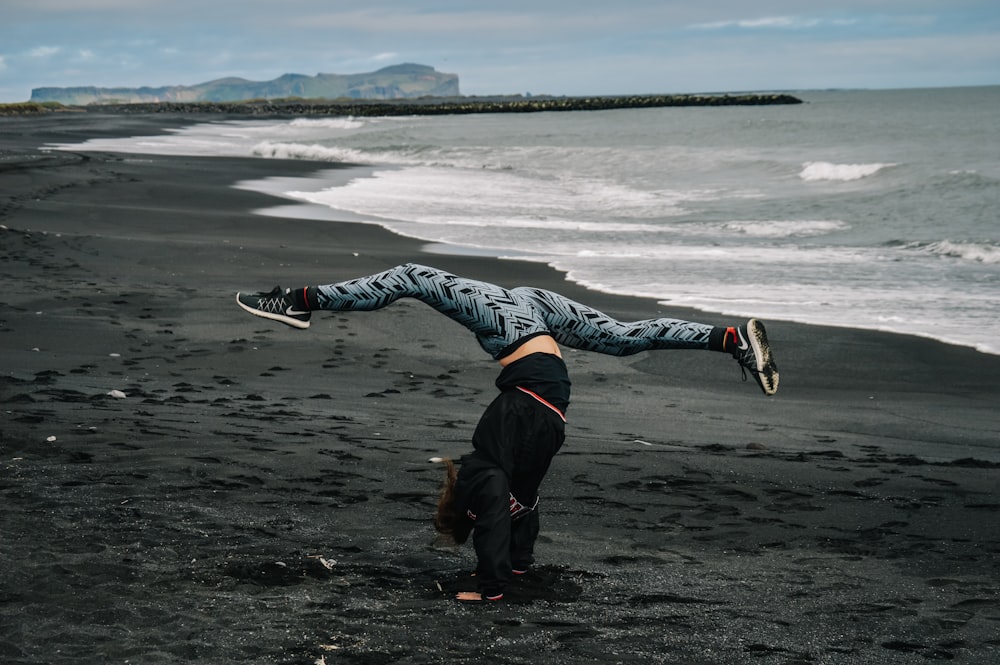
500,317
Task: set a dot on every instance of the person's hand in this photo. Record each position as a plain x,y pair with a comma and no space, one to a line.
469,596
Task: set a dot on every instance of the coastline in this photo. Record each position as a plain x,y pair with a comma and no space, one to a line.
928,280
689,518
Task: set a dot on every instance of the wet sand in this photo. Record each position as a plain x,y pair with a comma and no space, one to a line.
257,494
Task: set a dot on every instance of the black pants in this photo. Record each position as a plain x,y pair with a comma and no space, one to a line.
515,441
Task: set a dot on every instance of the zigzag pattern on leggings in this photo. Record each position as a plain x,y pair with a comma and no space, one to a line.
496,316
500,317
579,326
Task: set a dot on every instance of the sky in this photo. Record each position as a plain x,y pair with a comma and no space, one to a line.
557,47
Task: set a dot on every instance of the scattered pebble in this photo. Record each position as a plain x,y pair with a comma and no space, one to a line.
51,439
117,394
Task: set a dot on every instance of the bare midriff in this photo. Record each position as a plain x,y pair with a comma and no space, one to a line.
540,344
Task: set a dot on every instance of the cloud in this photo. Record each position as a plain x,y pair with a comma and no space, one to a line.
468,23
62,7
44,51
373,20
3,63
773,22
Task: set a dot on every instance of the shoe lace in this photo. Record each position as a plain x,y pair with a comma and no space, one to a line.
753,371
274,305
747,361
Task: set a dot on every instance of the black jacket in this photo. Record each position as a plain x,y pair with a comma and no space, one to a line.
514,443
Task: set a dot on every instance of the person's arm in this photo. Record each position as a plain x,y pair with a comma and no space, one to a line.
491,537
536,438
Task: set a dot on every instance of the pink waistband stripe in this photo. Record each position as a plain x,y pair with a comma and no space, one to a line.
543,401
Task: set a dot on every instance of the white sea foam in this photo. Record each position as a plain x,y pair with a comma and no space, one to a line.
238,138
313,152
428,194
816,171
786,229
966,251
326,123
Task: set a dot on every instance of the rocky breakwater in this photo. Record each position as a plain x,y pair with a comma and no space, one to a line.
449,106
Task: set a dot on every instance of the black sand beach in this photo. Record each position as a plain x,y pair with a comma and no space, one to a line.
255,494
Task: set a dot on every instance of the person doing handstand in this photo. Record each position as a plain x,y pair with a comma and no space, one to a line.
495,493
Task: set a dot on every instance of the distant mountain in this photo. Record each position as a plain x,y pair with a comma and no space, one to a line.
405,81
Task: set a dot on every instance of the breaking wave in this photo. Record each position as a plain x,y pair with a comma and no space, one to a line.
314,152
786,229
817,171
967,251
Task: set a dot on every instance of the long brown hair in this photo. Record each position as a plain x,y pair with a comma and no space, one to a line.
447,520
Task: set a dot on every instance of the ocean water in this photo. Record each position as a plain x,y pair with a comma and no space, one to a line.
864,209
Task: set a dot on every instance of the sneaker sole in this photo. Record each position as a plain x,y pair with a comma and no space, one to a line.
767,380
288,321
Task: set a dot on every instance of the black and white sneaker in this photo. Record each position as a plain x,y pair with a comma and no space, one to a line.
276,305
753,353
